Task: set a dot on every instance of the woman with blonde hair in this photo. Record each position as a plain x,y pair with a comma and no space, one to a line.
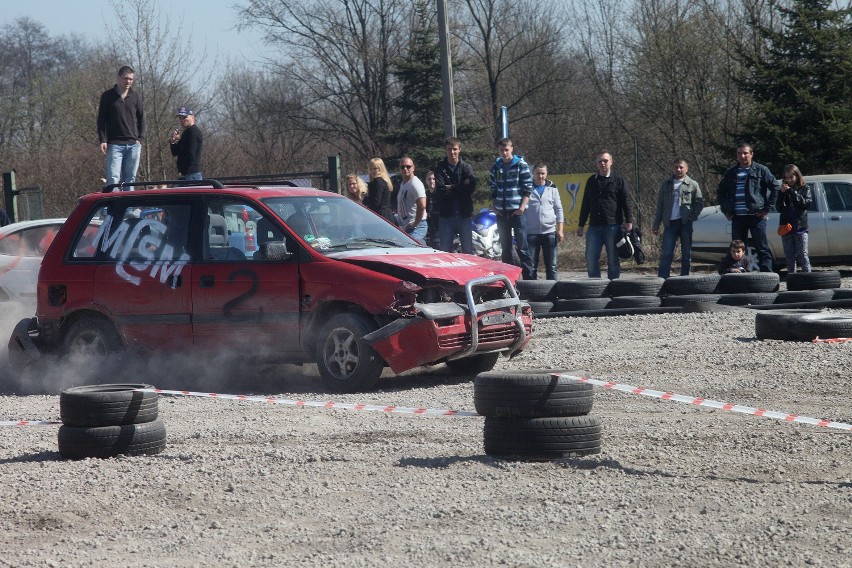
379,189
356,188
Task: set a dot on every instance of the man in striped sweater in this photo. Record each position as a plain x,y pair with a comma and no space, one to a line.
511,183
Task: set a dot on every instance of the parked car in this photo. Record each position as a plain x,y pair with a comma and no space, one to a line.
829,226
321,280
22,246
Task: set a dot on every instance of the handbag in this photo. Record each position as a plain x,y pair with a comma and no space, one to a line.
784,229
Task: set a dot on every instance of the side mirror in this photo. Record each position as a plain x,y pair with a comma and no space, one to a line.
274,250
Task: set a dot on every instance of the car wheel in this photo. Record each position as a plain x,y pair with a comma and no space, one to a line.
91,338
542,439
109,441
107,405
345,361
530,394
474,364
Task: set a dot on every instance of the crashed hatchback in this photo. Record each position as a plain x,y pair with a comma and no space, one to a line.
279,274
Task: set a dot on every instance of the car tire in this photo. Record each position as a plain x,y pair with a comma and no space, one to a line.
692,284
641,286
91,337
345,361
817,280
748,282
542,439
841,294
541,307
795,296
580,304
618,302
536,290
107,405
778,324
474,364
530,394
824,326
575,289
679,301
748,299
110,441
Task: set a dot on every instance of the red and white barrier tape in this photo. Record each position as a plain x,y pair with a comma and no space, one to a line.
832,340
697,401
318,404
29,422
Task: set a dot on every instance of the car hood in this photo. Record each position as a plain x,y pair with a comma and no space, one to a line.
418,265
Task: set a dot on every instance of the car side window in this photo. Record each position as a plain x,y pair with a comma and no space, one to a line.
33,241
838,195
236,231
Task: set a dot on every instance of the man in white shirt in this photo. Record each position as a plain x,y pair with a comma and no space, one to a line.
411,201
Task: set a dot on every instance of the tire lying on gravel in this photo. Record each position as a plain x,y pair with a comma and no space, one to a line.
778,324
680,301
817,280
642,286
580,304
748,299
824,326
542,439
574,289
530,394
841,294
107,405
747,282
110,441
537,290
794,296
540,307
690,285
618,302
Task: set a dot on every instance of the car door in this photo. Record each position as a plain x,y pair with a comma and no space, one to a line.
838,218
142,267
240,299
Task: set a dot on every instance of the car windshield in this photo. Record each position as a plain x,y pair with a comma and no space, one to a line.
333,224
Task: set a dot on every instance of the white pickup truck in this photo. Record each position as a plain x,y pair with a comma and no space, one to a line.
829,226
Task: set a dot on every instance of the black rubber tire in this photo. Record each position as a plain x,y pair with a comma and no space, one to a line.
690,285
575,289
542,439
792,297
641,286
530,394
345,361
748,299
474,364
580,304
541,307
679,301
536,290
778,324
618,302
748,282
109,441
107,405
841,294
816,280
824,326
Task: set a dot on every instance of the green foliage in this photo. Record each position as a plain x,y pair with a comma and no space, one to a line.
802,86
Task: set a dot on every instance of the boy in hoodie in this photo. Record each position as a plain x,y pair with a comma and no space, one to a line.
510,181
544,222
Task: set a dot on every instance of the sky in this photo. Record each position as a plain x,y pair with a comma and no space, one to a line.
210,22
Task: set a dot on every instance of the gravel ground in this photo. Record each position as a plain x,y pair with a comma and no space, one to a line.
248,484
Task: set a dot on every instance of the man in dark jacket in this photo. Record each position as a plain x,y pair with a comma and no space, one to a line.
746,195
454,187
186,144
121,128
607,206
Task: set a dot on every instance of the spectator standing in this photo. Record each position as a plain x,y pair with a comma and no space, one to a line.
378,196
607,206
431,212
736,261
746,194
793,203
121,128
186,144
678,205
356,188
511,184
544,222
411,201
454,186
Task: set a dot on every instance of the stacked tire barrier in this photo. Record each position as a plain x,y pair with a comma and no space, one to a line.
102,421
532,416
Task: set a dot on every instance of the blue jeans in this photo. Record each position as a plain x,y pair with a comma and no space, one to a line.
507,223
677,229
597,237
419,231
447,229
192,177
742,225
543,244
122,161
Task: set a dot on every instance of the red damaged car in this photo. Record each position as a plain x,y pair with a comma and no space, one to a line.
288,274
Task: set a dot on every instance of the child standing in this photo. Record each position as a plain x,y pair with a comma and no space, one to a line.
736,260
793,203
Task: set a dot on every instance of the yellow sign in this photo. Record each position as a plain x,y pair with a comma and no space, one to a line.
571,188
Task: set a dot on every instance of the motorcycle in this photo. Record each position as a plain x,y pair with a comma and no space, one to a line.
486,236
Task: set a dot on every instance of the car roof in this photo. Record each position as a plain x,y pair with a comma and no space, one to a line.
243,190
13,227
829,177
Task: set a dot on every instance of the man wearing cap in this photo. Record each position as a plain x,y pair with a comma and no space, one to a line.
186,144
121,128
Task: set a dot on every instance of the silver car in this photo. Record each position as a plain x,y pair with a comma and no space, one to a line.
22,246
829,226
